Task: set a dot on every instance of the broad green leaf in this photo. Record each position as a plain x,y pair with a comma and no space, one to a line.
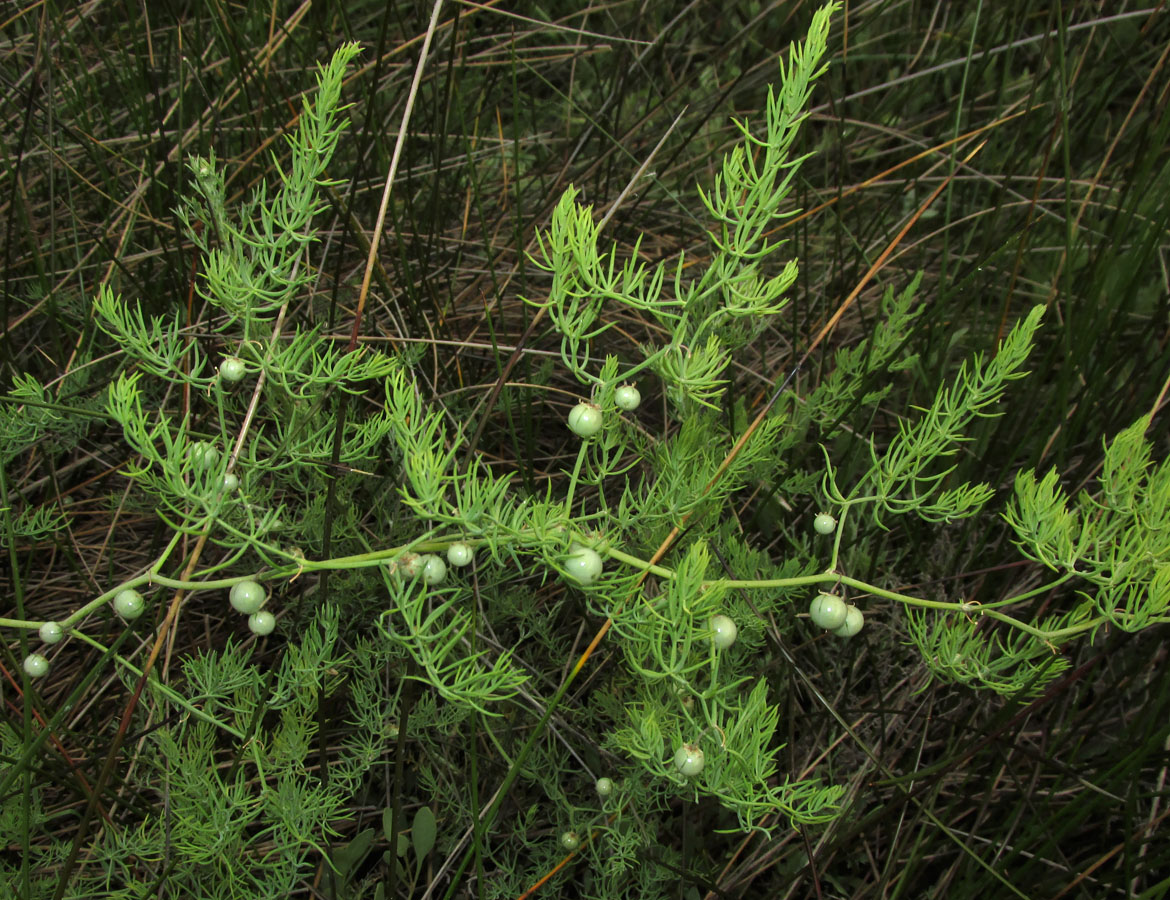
422,833
347,857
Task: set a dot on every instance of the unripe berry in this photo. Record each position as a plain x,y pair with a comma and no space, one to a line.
688,759
262,623
723,632
570,840
828,611
824,523
128,604
852,624
247,597
585,420
627,397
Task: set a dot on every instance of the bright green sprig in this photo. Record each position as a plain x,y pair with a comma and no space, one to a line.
900,478
156,348
428,458
684,464
1117,540
745,201
694,373
741,771
1009,661
34,523
661,640
184,472
582,280
436,639
255,268
748,194
905,478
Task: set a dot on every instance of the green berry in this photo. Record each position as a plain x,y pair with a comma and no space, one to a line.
828,611
824,523
460,554
247,597
583,564
51,633
604,787
585,420
129,604
688,759
232,369
203,455
262,622
570,840
723,632
627,397
231,481
410,565
36,665
852,624
434,570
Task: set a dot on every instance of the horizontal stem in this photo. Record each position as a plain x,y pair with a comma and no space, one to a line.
430,543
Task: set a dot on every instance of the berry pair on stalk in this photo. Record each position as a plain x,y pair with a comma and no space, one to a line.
431,568
835,615
828,610
247,597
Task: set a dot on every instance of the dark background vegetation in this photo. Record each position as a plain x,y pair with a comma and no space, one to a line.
1066,204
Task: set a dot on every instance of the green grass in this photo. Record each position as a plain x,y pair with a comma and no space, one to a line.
951,791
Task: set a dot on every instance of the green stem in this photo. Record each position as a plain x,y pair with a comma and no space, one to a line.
430,543
639,564
575,476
